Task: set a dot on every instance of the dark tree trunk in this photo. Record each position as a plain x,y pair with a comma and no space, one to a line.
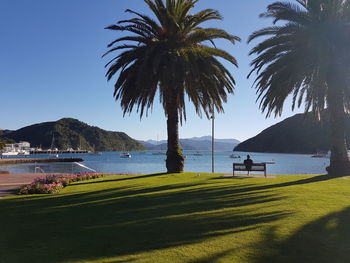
339,162
175,158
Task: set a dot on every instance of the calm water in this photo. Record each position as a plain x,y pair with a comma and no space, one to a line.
148,162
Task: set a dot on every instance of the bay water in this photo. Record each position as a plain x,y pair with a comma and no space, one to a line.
145,162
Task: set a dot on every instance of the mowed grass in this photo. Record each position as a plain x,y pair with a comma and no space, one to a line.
189,217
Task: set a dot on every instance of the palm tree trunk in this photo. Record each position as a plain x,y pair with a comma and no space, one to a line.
175,158
339,162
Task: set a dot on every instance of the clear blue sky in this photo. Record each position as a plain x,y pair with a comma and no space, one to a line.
51,67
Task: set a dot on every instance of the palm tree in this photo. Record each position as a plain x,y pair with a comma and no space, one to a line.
170,56
307,57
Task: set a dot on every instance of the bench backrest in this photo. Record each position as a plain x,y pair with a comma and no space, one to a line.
255,167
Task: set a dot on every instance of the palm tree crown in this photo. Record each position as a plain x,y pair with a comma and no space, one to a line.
302,55
307,57
171,55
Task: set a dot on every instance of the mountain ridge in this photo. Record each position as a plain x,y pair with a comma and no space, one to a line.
195,143
300,133
72,133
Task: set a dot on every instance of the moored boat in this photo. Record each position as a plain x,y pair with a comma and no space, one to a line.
319,155
125,155
10,153
23,152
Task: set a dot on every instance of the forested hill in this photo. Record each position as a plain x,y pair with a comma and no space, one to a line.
298,134
72,133
197,143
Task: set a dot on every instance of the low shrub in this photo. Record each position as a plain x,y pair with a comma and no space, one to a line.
53,184
40,188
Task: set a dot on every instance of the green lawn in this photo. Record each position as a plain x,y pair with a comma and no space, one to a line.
192,218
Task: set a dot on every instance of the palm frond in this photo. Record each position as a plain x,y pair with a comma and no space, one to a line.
297,57
169,55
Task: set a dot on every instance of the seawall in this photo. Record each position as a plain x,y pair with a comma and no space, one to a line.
38,160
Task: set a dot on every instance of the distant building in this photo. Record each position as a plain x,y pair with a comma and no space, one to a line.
20,146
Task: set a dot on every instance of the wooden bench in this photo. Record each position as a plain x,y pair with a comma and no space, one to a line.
256,167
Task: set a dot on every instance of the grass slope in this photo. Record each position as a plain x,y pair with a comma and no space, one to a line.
181,218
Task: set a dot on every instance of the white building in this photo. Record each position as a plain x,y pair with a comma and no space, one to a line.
21,146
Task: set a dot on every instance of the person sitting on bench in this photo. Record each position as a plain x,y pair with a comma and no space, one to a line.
248,163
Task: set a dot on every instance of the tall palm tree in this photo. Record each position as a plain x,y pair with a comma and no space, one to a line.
172,55
307,56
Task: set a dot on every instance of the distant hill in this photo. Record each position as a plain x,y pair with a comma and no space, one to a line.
196,143
297,134
147,145
2,132
208,138
153,142
203,138
72,133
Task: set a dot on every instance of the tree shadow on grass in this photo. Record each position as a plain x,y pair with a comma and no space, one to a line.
315,179
127,177
126,220
322,241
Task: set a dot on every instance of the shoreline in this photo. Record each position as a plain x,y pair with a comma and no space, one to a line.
7,161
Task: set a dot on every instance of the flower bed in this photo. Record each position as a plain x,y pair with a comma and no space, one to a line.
53,184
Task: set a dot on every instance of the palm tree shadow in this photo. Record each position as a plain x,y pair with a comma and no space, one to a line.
123,179
315,179
321,241
128,221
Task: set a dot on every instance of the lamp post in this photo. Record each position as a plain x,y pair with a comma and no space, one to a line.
212,140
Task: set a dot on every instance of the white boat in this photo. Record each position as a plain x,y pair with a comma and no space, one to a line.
11,153
23,152
319,155
235,156
198,154
125,155
15,152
